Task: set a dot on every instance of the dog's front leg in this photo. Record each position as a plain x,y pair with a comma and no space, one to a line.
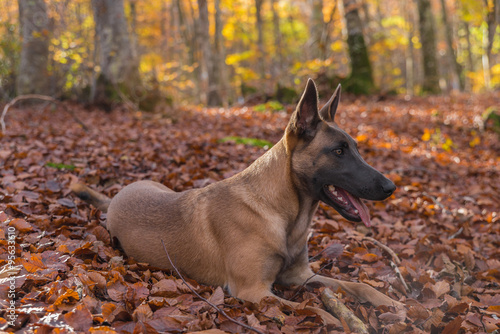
251,279
361,291
300,273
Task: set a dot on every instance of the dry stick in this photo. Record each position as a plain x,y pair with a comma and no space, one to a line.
221,311
384,247
394,265
400,276
339,310
39,97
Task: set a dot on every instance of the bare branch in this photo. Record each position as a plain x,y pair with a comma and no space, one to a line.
400,276
221,311
39,97
394,256
339,310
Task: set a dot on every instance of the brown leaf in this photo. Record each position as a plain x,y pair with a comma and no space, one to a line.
68,297
217,298
142,313
80,318
441,288
164,288
453,327
21,225
333,250
107,310
470,262
66,202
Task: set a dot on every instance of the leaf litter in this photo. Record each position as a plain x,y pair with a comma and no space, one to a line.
442,222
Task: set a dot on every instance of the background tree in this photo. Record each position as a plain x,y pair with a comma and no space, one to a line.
316,47
260,50
428,39
209,67
33,75
117,58
452,54
361,77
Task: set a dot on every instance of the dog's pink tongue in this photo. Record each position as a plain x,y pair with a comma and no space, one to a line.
362,209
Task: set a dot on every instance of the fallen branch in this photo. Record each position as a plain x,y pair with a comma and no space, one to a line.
394,256
339,310
38,97
400,276
221,311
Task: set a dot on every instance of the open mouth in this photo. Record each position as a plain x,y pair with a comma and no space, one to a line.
349,206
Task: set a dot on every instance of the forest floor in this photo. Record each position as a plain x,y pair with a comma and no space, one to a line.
443,222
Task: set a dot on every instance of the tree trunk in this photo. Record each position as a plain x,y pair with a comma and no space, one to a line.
208,68
33,76
492,20
410,50
451,50
278,53
260,38
117,58
219,57
361,78
316,30
428,40
470,61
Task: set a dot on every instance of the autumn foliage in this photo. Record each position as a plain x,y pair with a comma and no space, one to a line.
442,223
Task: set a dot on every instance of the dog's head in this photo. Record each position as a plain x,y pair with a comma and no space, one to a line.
325,160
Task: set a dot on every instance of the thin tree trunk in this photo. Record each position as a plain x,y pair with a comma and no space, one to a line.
33,76
451,50
361,78
316,30
470,62
117,58
260,38
208,74
410,50
428,40
189,34
278,53
219,57
492,20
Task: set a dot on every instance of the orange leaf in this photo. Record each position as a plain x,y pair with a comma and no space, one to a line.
34,264
67,296
369,257
21,225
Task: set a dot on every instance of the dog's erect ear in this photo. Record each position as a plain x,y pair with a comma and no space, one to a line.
328,111
305,118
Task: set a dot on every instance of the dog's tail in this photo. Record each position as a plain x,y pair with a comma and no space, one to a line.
90,196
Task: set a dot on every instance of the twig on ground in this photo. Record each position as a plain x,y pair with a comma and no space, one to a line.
384,247
221,311
39,97
339,310
435,201
302,286
400,276
456,234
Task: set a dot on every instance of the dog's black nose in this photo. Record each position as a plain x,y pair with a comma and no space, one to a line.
389,187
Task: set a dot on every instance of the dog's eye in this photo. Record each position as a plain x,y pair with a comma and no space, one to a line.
338,151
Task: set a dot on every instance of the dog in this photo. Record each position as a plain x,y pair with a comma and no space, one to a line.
249,231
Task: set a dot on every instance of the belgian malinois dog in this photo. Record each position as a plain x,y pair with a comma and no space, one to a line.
249,231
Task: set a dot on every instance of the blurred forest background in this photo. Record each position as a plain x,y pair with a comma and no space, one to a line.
221,52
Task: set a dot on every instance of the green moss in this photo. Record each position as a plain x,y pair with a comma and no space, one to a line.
248,141
60,166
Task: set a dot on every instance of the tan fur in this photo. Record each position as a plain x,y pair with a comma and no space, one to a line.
243,233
